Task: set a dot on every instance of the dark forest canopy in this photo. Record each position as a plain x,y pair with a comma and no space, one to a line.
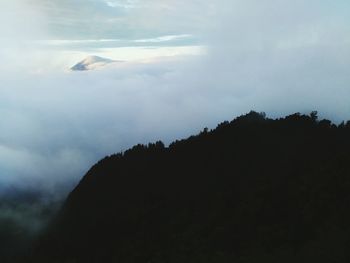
251,190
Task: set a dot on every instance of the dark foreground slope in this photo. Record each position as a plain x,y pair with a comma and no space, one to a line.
252,190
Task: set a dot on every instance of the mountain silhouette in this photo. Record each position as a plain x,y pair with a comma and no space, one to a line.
251,190
91,63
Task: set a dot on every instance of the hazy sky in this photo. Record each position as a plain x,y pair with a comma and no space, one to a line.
188,64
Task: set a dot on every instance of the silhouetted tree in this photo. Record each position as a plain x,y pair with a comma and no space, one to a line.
314,116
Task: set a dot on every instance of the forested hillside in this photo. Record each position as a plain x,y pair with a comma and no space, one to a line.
251,190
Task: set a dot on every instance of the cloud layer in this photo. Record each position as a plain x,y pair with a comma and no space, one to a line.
277,56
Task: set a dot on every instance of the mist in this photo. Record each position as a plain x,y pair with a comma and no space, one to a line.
278,57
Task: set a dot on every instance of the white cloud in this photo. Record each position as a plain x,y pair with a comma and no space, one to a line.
60,42
163,38
274,56
127,4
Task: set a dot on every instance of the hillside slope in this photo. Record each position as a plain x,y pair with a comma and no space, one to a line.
251,190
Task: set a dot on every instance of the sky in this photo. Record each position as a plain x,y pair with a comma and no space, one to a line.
186,65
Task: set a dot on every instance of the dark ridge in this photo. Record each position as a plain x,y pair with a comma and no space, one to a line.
251,190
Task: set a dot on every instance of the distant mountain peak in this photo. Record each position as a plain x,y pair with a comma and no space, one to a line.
91,63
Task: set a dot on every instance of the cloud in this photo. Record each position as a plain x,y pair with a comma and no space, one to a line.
274,56
80,44
93,19
127,4
55,128
163,38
